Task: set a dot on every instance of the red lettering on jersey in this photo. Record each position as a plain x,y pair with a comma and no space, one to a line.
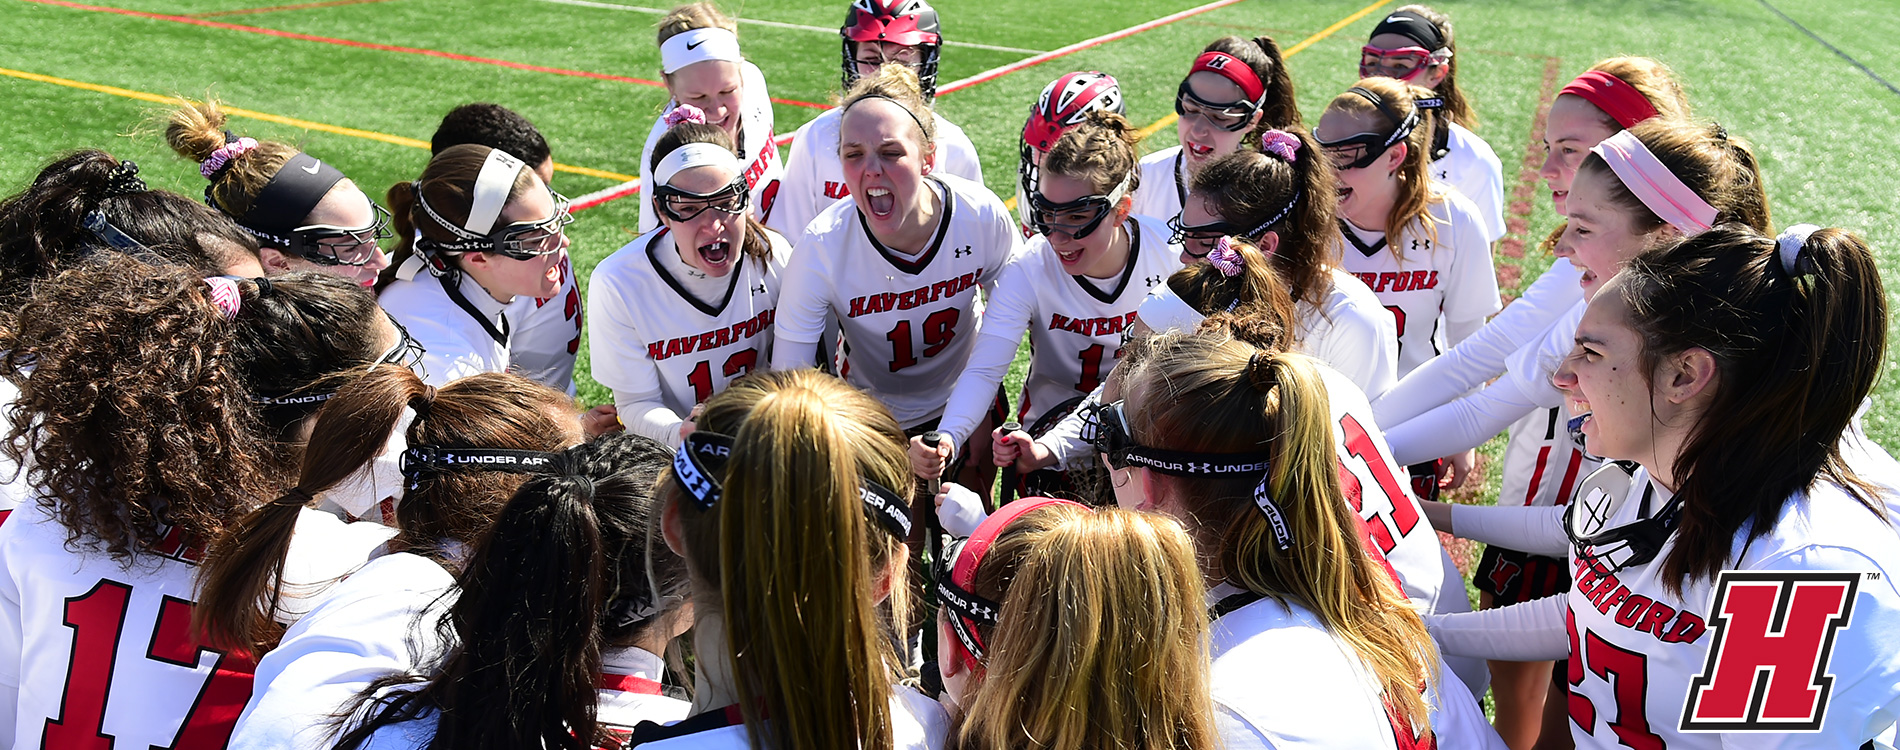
1418,281
713,339
175,545
871,304
836,190
1652,621
1386,278
1635,611
1091,326
1783,623
1630,609
760,163
1432,281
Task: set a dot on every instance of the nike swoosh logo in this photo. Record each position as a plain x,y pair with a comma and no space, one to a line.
309,169
694,45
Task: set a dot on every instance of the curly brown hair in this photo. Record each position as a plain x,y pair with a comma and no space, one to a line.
132,406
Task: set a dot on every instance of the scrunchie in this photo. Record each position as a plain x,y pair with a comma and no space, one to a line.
1792,245
225,295
684,113
124,180
222,157
1225,258
1282,144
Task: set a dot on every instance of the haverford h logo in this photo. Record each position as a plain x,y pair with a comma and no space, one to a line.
1768,667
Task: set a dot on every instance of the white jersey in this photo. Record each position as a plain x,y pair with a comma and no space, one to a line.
376,623
1438,291
95,650
1281,680
1473,169
1351,332
659,345
13,485
814,177
764,173
1075,326
1637,650
546,333
917,723
1164,185
1542,462
459,341
909,324
1468,421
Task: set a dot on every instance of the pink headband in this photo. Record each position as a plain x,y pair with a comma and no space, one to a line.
224,294
225,153
1621,101
1282,144
1653,184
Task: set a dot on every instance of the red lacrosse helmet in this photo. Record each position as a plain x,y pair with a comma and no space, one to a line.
1065,103
912,23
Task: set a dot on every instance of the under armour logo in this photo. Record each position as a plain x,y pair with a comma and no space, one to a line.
1153,281
1428,244
760,289
962,251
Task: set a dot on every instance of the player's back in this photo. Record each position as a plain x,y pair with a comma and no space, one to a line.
99,651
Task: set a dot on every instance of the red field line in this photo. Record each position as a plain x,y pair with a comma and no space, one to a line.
275,8
382,47
995,73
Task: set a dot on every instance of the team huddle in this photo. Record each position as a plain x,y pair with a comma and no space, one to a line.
267,484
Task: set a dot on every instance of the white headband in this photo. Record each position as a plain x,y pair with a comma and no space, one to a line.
698,45
380,478
1652,183
492,186
1790,243
694,155
1164,310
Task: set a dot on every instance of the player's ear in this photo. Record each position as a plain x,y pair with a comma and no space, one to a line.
1268,243
673,528
273,260
1687,375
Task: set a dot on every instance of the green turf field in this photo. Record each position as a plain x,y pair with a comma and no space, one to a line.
1823,127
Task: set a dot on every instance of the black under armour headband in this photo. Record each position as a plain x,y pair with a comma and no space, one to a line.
1413,26
702,458
290,196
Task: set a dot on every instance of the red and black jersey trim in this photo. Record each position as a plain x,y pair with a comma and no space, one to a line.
936,243
1363,248
1128,271
712,311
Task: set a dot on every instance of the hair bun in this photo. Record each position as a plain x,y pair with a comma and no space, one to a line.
1260,372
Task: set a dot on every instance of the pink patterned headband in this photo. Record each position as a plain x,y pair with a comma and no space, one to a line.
224,294
1225,258
684,113
1653,184
1282,144
225,153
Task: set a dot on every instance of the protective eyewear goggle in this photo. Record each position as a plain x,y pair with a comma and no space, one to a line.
1228,116
680,205
1599,499
329,245
1043,213
406,352
1105,427
1404,63
1202,237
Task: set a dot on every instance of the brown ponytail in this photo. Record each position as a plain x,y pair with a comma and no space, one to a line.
240,592
1262,54
1101,152
1256,294
1248,187
196,129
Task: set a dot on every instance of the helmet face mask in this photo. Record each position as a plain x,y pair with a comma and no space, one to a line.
911,23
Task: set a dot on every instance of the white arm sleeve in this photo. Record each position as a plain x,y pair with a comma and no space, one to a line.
1012,301
1538,530
644,414
12,643
1064,440
1483,354
1460,425
620,362
803,304
1527,631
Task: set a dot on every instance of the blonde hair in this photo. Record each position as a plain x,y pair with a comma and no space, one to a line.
1068,668
1101,152
1414,175
899,84
794,560
1719,167
1207,392
694,16
196,129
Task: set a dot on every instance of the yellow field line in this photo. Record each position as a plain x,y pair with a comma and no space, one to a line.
1290,52
147,96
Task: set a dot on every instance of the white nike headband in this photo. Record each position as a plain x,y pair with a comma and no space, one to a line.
492,186
1164,311
698,45
694,155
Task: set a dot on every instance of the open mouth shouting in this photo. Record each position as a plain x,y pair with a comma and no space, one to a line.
716,254
881,202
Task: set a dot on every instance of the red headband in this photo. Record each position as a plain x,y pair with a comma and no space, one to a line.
971,555
1233,69
1621,101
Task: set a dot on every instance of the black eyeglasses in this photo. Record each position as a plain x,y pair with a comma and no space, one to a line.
1043,212
1228,116
1201,237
